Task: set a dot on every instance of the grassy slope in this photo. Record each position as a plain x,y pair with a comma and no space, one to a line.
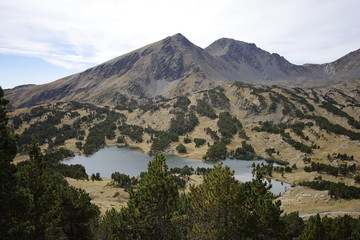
239,98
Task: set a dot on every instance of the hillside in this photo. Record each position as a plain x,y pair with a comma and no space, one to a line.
175,66
297,123
300,127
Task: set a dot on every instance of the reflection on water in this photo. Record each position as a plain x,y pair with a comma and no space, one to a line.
133,162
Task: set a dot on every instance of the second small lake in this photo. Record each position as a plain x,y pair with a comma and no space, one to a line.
132,162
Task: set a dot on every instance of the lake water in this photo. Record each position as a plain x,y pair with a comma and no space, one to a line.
132,162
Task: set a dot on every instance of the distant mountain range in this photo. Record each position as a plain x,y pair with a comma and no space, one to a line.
175,66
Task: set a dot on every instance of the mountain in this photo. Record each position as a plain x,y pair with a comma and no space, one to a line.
176,66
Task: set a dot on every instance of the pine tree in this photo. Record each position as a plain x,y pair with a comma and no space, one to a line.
215,210
262,213
314,229
152,206
223,208
8,196
53,209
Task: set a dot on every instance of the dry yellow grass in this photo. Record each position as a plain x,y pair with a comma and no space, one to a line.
107,196
308,201
103,193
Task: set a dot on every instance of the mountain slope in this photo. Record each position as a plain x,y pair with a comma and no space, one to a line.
347,67
254,63
175,66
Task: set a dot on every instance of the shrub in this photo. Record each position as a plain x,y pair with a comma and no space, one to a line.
181,148
199,142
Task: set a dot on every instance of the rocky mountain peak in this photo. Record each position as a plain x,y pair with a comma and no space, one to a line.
174,66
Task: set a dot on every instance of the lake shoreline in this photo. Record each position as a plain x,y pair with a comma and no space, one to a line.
132,161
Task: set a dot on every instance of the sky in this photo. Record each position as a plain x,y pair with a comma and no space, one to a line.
42,41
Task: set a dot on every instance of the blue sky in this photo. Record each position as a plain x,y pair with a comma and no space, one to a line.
41,41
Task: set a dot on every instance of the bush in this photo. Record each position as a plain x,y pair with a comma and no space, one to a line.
182,102
181,148
243,151
199,142
270,151
96,177
212,134
123,180
204,109
187,140
218,98
228,125
337,190
134,132
215,152
183,124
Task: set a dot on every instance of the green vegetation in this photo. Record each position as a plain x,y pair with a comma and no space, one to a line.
337,190
123,181
262,101
345,227
199,142
38,111
66,132
187,140
149,106
335,171
218,98
150,213
35,201
245,150
216,152
96,137
219,208
336,111
323,123
160,140
300,100
204,109
181,148
342,157
121,140
96,177
270,151
274,104
182,102
183,124
53,161
228,125
280,129
212,134
16,122
357,179
44,131
124,103
134,132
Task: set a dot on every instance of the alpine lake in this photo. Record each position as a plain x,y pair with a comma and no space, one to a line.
132,161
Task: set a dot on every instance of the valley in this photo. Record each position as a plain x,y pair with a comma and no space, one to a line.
228,102
278,123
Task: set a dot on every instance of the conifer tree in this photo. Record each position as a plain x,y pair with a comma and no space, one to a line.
215,209
53,209
262,213
8,151
152,206
314,229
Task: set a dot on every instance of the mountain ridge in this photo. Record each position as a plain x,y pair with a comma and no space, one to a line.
174,66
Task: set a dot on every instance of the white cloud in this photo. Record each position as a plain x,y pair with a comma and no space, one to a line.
74,34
